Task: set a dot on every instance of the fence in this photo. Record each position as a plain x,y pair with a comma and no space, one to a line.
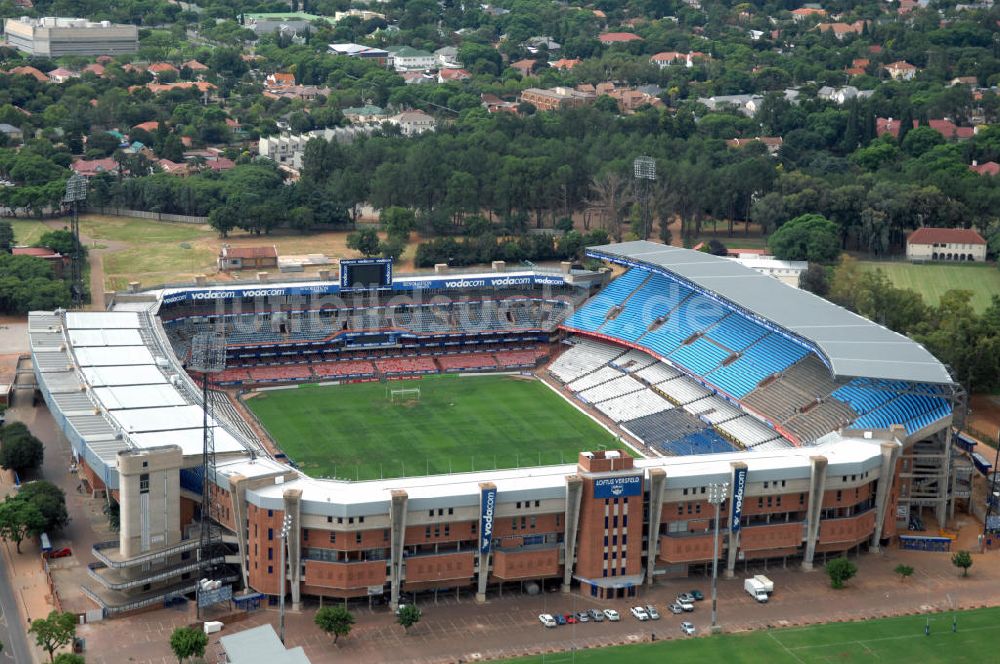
154,216
916,543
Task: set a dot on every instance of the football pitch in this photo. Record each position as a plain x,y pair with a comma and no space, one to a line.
932,280
886,640
458,424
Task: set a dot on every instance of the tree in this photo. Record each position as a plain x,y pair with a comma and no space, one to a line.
19,519
365,240
962,560
840,570
6,236
334,620
810,237
904,571
20,451
187,642
50,501
815,280
397,222
54,632
408,616
61,241
68,658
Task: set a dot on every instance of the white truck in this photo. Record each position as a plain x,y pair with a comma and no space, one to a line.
759,587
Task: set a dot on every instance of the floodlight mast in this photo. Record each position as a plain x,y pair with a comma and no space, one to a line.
208,355
644,172
76,192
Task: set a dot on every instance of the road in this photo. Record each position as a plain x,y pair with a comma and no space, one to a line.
15,641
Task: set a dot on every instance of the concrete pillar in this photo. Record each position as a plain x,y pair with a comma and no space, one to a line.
200,280
397,536
574,495
134,286
262,277
149,491
324,275
657,488
944,498
293,508
887,471
565,267
499,266
440,268
484,557
733,540
817,487
238,497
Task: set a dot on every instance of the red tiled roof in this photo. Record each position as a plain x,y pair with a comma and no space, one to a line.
988,168
150,126
30,71
618,37
160,67
945,236
38,252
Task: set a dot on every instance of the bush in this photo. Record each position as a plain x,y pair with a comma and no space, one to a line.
50,501
19,450
840,570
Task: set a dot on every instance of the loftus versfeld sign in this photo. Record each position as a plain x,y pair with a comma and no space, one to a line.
739,487
488,507
618,487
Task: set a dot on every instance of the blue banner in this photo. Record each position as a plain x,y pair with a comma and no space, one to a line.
618,487
739,487
347,263
487,506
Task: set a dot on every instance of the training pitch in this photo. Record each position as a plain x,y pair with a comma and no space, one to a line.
458,424
887,640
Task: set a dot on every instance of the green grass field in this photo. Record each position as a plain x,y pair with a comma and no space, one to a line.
932,280
460,423
887,640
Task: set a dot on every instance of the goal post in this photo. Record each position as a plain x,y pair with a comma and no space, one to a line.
404,394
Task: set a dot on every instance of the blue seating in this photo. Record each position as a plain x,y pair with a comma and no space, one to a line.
913,411
655,298
593,314
736,332
700,357
700,442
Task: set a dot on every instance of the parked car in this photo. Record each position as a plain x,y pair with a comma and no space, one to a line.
570,619
687,628
697,595
685,606
640,613
685,598
596,615
612,615
61,553
560,619
582,616
547,620
653,613
675,608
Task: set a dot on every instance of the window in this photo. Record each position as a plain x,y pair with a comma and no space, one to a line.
270,553
350,520
329,519
430,512
524,523
333,538
513,523
144,483
519,504
270,534
270,513
361,519
685,492
533,522
447,529
451,510
270,569
558,520
340,520
427,532
839,495
357,537
385,535
538,503
305,534
440,511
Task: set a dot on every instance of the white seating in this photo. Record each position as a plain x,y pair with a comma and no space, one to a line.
634,360
658,373
683,390
713,410
611,389
632,406
748,430
584,357
587,381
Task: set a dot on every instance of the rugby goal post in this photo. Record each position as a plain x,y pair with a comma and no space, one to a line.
404,394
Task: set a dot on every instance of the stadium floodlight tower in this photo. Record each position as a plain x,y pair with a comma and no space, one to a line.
208,355
644,172
717,494
76,192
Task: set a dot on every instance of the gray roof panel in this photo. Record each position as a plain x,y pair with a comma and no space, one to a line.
849,344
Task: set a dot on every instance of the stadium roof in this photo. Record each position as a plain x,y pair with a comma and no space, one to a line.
850,344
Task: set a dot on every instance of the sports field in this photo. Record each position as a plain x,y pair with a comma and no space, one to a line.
459,423
888,640
932,280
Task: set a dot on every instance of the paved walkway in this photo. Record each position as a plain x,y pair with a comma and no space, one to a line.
461,630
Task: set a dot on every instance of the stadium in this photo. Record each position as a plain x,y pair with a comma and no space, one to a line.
397,435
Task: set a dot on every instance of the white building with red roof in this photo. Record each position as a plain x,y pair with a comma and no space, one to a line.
945,244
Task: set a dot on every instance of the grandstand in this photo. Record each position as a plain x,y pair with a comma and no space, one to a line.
701,362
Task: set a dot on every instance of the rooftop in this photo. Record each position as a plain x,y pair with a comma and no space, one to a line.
852,346
945,236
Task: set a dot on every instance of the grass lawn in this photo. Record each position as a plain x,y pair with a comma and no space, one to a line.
886,640
460,423
27,231
932,280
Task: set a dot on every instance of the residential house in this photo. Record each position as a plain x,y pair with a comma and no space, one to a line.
745,104
358,51
287,150
535,44
418,77
150,126
61,75
524,67
901,70
91,167
171,167
804,13
265,23
363,14
618,37
668,58
301,92
57,261
247,258
94,68
30,71
13,134
842,30
565,64
970,81
494,104
407,58
279,80
157,69
948,129
556,98
447,56
449,74
367,114
772,143
195,66
859,67
987,168
945,244
412,123
843,94
630,100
